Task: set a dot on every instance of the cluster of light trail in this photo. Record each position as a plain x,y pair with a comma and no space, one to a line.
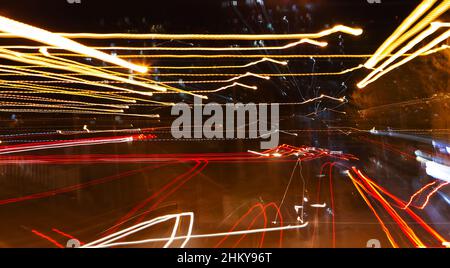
19,29
370,191
10,149
304,153
249,56
409,28
367,187
265,76
69,70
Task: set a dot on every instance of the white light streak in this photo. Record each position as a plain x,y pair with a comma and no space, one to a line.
108,241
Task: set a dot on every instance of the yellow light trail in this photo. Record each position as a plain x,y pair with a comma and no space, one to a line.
217,81
263,75
226,87
43,99
235,77
34,89
248,74
44,89
387,46
383,69
62,78
58,106
118,75
401,35
215,90
432,15
30,88
16,56
64,91
226,56
434,50
283,63
264,59
335,29
219,56
35,60
287,46
323,96
74,91
40,35
72,111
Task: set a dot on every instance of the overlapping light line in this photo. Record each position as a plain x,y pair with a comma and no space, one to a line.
402,34
390,44
387,66
19,29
